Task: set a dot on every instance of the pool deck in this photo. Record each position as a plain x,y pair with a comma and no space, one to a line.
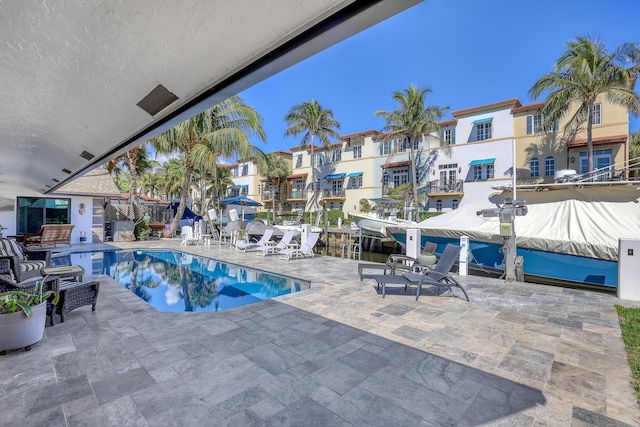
338,354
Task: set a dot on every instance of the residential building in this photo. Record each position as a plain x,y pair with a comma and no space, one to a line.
541,154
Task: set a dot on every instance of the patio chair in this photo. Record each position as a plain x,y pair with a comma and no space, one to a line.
395,262
266,237
303,251
188,237
23,264
438,276
284,243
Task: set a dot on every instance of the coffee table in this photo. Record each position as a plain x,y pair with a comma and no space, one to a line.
66,272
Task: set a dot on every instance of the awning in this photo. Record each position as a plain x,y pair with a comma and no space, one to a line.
487,120
482,162
396,164
349,175
335,176
240,186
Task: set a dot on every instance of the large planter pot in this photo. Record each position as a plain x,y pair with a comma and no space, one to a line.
18,330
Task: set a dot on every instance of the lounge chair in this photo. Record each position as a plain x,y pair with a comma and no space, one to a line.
21,263
284,243
188,236
438,275
266,237
394,262
303,251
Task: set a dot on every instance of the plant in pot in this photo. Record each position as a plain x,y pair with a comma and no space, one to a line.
23,316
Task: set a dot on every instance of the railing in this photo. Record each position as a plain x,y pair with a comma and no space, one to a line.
269,195
332,193
438,186
298,194
623,171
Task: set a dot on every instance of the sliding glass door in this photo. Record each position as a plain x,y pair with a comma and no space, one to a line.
33,212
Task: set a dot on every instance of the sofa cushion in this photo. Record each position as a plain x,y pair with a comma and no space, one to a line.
10,247
27,266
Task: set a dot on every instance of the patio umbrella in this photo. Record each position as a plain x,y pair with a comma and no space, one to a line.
242,201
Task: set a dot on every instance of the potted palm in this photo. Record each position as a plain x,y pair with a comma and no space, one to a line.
23,317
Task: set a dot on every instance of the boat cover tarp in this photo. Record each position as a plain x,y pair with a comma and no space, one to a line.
583,221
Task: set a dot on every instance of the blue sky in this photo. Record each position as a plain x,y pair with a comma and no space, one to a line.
469,52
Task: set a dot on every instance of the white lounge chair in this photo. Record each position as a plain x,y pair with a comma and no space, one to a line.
303,251
284,243
244,246
188,237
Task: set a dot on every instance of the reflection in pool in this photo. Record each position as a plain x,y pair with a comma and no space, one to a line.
175,281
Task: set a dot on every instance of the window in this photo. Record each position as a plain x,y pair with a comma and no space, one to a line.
404,146
597,114
245,170
534,124
489,170
439,205
355,181
34,212
448,136
483,131
534,167
448,176
454,204
601,159
337,186
416,144
549,166
400,176
385,179
477,172
386,147
299,161
336,155
357,151
319,159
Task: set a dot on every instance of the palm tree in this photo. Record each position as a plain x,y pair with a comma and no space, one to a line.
275,170
409,123
582,73
220,131
311,120
136,162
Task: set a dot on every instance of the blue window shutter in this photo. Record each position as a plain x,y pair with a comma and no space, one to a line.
453,136
529,125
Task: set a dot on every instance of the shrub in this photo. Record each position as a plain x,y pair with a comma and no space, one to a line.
334,214
142,230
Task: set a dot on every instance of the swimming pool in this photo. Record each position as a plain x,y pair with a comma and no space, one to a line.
176,281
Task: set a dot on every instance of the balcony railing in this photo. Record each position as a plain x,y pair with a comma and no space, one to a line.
268,196
298,194
438,186
328,193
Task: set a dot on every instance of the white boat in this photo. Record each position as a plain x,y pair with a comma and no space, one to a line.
372,224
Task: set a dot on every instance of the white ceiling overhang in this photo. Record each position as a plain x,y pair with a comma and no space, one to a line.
73,71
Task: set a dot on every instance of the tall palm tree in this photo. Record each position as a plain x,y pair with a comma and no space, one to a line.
275,170
409,123
311,120
582,73
220,131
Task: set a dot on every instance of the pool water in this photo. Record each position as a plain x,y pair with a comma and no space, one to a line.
176,281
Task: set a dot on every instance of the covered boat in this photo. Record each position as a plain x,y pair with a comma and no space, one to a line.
570,233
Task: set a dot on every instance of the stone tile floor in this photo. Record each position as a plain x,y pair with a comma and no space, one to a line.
338,354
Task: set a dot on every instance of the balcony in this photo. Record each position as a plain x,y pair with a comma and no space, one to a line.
444,188
333,194
298,195
269,196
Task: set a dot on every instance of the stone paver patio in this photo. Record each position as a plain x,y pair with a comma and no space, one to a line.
337,354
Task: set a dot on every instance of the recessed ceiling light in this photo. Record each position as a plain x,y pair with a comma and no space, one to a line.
66,171
86,155
47,185
54,180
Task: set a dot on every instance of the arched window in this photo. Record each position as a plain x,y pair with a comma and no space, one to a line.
534,167
455,204
549,166
439,205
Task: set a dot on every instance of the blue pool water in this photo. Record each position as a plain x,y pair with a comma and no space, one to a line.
175,281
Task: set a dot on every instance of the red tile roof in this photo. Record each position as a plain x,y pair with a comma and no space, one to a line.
613,139
513,103
396,164
527,107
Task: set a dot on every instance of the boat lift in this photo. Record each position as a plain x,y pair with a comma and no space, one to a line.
507,214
